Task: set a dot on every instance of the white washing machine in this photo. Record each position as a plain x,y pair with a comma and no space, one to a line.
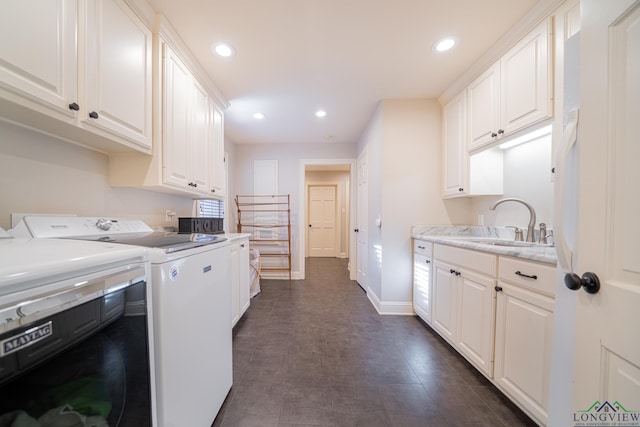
75,334
191,295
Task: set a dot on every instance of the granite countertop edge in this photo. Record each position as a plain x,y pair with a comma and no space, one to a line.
455,236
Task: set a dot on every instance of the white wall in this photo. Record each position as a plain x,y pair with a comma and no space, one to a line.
405,163
41,174
372,139
288,156
527,175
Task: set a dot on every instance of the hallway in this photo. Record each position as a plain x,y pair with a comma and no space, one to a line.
316,353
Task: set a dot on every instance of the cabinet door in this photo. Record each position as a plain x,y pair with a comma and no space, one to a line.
117,61
422,286
243,274
38,56
525,79
217,183
483,108
476,320
235,284
199,148
177,98
456,159
445,301
524,326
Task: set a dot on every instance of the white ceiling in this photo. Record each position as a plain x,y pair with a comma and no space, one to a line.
294,57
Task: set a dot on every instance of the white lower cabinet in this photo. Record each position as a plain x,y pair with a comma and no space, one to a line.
524,328
422,279
476,319
464,303
445,301
240,286
496,311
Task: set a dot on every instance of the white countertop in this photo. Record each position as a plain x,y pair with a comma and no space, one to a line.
479,237
237,236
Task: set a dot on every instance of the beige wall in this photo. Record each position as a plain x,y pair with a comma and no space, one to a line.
41,174
404,189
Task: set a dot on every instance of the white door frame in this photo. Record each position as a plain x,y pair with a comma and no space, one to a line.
302,209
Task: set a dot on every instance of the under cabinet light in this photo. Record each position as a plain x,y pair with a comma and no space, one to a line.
539,133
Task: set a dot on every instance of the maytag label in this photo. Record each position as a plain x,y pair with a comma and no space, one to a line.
25,339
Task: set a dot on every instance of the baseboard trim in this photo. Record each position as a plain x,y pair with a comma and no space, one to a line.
390,308
279,275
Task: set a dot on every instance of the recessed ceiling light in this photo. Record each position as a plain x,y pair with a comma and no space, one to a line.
258,116
444,44
223,49
321,113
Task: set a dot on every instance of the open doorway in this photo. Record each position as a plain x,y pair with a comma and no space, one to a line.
327,211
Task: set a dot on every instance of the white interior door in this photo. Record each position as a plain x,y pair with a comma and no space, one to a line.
362,218
607,353
322,221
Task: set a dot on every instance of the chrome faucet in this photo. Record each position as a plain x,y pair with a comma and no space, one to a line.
532,215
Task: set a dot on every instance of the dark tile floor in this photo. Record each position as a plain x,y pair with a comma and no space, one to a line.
316,353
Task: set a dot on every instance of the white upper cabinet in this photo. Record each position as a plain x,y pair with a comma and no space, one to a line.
525,75
217,182
79,70
176,109
456,159
188,128
480,174
188,125
516,92
39,64
201,138
483,103
118,72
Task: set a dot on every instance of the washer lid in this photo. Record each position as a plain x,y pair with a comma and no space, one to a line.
27,263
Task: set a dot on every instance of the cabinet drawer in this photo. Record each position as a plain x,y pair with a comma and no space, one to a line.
531,275
472,260
422,247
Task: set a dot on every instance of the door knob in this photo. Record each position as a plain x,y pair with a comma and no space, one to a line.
589,281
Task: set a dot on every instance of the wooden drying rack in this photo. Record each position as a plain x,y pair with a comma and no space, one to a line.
268,219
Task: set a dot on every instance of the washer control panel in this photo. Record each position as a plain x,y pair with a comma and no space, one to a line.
75,226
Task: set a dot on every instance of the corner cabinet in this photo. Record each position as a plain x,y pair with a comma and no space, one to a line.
188,132
514,93
85,77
